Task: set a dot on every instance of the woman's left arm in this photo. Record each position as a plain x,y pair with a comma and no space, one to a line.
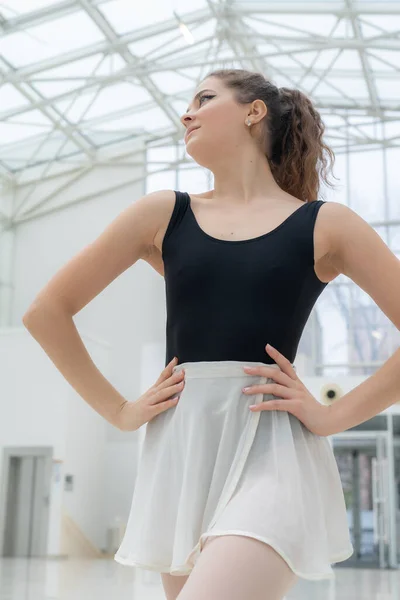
359,252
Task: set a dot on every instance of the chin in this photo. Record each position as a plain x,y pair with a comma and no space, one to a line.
202,163
200,155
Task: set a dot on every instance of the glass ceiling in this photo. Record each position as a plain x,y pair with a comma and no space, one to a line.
79,76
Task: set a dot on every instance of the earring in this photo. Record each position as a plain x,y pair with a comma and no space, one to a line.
248,122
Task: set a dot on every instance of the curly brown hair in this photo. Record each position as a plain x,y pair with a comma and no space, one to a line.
292,135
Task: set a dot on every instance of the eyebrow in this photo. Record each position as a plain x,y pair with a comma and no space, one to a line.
198,94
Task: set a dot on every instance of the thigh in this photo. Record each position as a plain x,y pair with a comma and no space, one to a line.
173,584
238,567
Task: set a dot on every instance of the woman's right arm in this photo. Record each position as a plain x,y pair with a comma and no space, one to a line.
49,319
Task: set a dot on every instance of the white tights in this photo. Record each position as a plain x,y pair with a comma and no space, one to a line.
235,567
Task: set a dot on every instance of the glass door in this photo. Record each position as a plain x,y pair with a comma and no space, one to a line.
364,466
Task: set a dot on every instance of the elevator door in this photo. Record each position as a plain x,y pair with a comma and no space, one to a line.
26,505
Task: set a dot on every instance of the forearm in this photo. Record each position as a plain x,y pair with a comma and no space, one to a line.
369,398
55,331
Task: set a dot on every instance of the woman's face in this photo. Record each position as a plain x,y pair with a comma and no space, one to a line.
219,119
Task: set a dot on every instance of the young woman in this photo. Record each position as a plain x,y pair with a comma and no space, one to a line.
233,500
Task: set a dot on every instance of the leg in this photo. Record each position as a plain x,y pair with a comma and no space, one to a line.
239,568
173,584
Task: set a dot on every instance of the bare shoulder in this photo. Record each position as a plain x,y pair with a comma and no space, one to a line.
158,205
346,231
337,226
128,238
360,253
335,221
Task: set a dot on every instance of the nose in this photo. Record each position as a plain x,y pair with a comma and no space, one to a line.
186,119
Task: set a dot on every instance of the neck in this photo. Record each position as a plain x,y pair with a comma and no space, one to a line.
244,178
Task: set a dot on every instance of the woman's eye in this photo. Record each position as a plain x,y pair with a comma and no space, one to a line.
205,96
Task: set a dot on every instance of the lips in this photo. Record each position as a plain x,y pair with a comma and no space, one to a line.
189,132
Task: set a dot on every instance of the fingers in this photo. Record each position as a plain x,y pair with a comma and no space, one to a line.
282,362
162,399
271,373
169,384
270,388
165,391
276,375
172,379
168,369
163,406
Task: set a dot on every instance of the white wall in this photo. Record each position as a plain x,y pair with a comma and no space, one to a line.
39,408
33,410
127,315
85,459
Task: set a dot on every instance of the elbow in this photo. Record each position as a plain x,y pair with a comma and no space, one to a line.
39,312
28,316
35,312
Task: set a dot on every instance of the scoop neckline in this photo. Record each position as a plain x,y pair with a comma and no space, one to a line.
259,237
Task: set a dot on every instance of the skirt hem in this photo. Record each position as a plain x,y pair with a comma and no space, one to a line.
183,570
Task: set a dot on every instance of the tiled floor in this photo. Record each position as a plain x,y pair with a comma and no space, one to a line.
81,579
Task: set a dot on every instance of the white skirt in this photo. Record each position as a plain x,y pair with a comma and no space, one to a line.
210,466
